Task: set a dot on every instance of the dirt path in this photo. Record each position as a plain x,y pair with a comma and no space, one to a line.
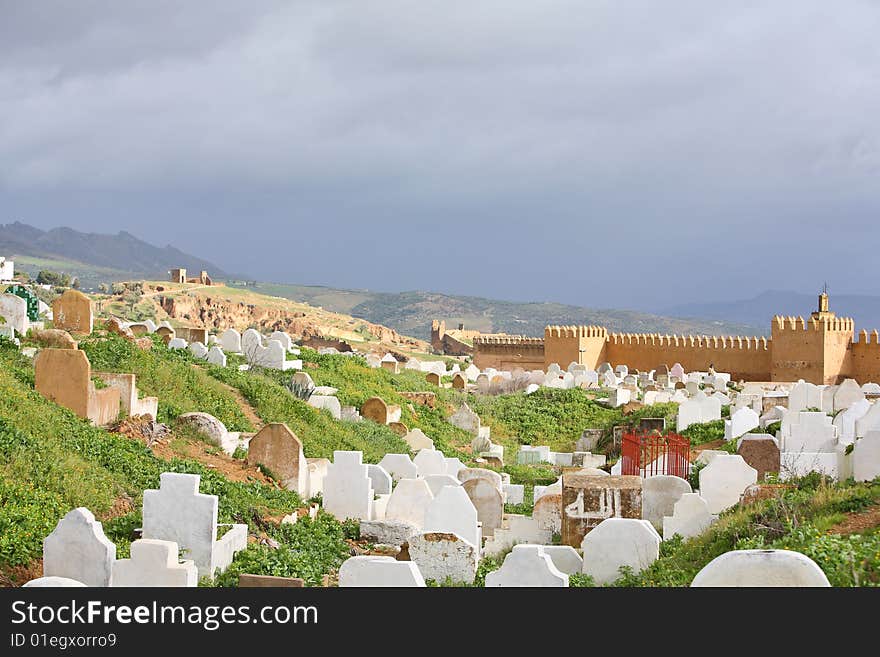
211,457
245,406
243,403
858,522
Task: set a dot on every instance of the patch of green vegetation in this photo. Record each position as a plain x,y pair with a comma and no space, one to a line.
268,392
797,519
705,432
169,374
548,416
308,549
319,432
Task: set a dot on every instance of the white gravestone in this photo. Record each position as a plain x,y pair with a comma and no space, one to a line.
690,517
179,512
527,565
379,571
452,511
78,549
618,542
761,568
723,481
154,563
348,491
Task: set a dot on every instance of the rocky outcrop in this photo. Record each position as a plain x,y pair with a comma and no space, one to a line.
221,314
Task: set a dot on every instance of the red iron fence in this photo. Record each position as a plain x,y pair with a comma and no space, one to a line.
650,454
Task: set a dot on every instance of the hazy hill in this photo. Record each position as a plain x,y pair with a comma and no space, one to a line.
94,256
411,313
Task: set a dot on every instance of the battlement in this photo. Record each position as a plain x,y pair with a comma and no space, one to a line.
826,324
576,332
866,338
511,340
692,341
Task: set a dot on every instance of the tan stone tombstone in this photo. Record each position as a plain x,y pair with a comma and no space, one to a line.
399,428
375,409
488,501
65,377
459,381
588,499
378,411
391,366
268,581
192,334
72,311
277,448
167,334
433,378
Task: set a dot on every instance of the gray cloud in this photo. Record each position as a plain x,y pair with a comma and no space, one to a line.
602,153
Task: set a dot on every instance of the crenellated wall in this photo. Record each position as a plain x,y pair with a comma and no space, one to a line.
578,344
509,352
820,349
745,358
866,357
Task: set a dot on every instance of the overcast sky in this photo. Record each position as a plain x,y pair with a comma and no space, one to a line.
618,153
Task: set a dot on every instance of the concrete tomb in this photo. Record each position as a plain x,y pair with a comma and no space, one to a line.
690,517
660,493
409,502
399,466
452,511
761,451
588,499
178,512
488,501
65,377
72,312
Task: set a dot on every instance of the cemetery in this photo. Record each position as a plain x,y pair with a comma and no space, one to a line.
381,469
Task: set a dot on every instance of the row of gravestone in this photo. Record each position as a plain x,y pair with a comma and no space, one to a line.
176,518
622,544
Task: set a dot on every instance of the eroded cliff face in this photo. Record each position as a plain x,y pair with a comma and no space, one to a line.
215,312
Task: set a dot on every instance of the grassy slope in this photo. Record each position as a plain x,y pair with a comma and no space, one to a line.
53,461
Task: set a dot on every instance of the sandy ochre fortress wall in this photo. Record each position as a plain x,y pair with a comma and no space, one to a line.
820,350
507,352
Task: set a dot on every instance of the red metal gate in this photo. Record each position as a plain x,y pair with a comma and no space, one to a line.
650,454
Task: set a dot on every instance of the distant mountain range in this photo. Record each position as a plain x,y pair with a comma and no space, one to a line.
95,258
411,313
107,257
758,311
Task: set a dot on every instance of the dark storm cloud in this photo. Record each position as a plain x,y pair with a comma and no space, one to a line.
603,153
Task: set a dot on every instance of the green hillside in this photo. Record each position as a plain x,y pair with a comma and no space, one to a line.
52,461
